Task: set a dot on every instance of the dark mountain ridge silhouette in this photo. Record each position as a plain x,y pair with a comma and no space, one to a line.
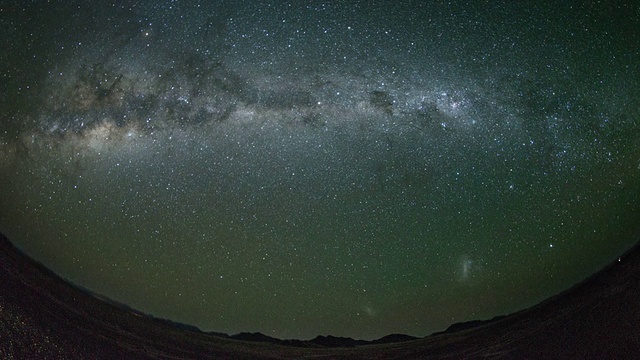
40,313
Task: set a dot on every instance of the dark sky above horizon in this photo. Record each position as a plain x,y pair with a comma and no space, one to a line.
346,168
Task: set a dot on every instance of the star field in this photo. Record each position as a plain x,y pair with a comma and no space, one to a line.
315,169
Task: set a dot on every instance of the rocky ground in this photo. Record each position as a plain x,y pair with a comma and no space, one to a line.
44,317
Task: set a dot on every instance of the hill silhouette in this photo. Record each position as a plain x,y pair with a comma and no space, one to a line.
41,315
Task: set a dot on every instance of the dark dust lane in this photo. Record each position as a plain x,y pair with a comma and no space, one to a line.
355,170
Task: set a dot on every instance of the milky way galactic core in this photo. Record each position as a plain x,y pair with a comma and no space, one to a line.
353,169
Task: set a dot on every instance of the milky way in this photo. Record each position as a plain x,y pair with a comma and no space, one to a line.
354,170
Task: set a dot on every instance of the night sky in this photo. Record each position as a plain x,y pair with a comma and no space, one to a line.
306,168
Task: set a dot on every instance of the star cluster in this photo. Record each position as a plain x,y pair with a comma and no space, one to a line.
321,169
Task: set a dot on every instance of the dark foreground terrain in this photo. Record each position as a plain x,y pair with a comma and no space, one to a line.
44,317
